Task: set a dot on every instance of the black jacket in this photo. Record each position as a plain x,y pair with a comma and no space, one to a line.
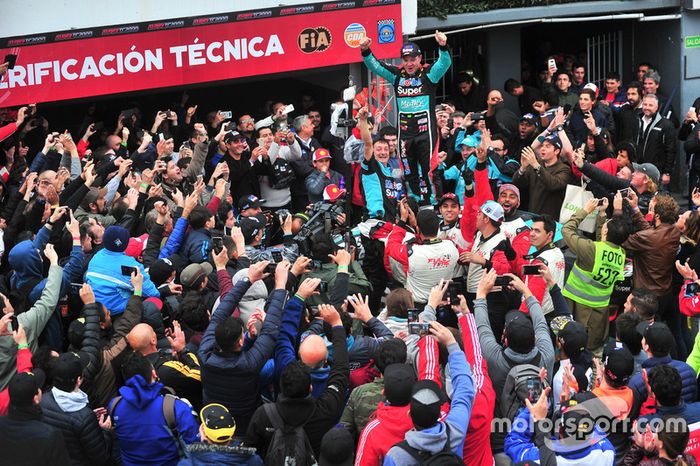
318,415
25,440
627,121
85,441
657,144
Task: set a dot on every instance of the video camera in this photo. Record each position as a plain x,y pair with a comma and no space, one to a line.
323,216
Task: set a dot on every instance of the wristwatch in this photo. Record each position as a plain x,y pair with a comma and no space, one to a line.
559,128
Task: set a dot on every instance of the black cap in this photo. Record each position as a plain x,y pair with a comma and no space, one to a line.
398,382
337,448
23,387
426,400
530,119
251,226
232,136
572,334
67,367
554,140
658,336
410,48
160,271
618,362
520,332
249,202
448,197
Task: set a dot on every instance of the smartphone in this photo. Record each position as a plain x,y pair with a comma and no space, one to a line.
11,60
127,271
692,109
692,288
323,287
503,280
218,243
552,65
200,178
601,202
534,390
271,267
277,257
75,287
533,269
624,192
14,324
288,109
161,137
169,113
412,314
227,114
456,287
418,328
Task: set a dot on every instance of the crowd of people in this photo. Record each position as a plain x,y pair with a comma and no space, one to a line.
434,289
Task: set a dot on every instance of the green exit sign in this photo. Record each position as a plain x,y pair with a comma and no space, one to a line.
692,42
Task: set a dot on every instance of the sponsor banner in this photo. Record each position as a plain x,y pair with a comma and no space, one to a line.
108,60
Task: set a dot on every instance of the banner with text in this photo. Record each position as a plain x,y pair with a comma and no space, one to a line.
125,58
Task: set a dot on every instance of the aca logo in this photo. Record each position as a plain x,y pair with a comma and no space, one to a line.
316,39
385,31
354,34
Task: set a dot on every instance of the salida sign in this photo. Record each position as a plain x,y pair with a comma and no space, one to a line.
127,58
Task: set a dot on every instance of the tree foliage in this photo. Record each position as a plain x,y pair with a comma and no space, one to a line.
442,8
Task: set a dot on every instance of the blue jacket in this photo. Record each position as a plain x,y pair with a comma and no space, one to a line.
111,288
688,411
205,454
233,379
689,390
285,353
172,245
317,181
25,259
519,446
434,438
144,438
196,247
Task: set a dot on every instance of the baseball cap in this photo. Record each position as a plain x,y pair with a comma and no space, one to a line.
618,362
160,270
250,202
426,400
448,197
658,336
571,333
410,48
116,238
24,385
332,193
554,140
469,141
509,187
136,245
193,272
337,448
648,169
67,367
217,422
321,154
251,226
493,210
398,382
232,136
592,87
530,119
519,331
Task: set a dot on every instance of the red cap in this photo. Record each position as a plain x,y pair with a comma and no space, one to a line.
136,245
320,154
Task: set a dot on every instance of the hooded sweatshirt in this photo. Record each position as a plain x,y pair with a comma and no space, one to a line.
144,438
387,429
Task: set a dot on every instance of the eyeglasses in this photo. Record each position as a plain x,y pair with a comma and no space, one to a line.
497,149
248,120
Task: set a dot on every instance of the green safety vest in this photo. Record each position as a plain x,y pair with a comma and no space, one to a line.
594,288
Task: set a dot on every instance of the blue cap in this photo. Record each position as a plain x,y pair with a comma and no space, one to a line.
554,140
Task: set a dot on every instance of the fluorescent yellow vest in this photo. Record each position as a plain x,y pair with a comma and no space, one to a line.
593,288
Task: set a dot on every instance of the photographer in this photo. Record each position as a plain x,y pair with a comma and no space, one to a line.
253,228
281,149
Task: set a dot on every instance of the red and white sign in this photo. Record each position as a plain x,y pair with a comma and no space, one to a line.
178,52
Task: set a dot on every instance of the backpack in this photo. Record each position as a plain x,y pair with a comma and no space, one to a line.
444,457
289,446
168,415
520,382
282,174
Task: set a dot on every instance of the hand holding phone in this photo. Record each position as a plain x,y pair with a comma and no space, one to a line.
127,270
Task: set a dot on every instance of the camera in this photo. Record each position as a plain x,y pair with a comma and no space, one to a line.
347,122
692,288
533,269
323,216
478,116
458,286
323,287
503,280
419,328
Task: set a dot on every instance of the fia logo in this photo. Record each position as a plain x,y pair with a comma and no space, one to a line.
316,39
